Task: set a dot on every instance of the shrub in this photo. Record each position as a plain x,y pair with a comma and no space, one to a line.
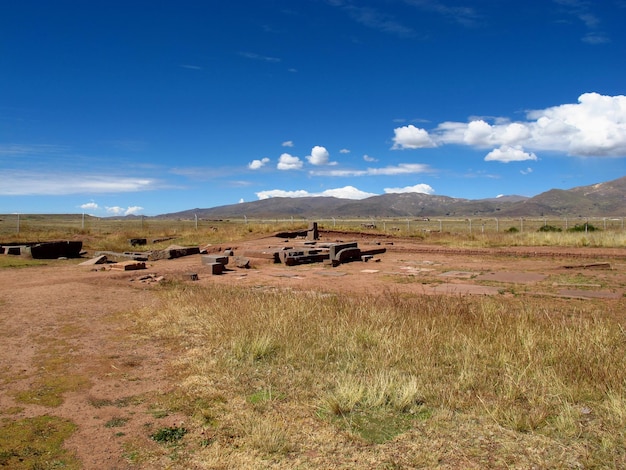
549,228
586,227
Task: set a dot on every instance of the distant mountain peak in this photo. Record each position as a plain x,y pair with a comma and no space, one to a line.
600,199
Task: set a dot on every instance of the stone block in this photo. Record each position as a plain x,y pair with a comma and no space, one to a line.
335,248
242,262
128,266
210,259
14,250
215,268
312,233
348,254
96,260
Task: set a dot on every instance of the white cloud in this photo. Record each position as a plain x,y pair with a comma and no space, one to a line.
506,154
287,143
24,183
319,156
344,151
418,188
89,206
117,210
347,192
367,158
527,171
254,56
595,126
400,169
289,162
133,210
411,137
256,164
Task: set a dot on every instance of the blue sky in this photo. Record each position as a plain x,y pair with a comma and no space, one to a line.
150,107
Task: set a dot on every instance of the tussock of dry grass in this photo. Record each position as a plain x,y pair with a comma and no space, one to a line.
474,382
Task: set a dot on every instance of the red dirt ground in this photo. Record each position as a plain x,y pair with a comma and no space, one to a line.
77,310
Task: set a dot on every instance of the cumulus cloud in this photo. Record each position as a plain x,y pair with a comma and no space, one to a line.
595,126
411,137
506,154
132,210
400,169
89,206
344,151
418,188
256,164
319,156
347,192
289,162
287,143
367,158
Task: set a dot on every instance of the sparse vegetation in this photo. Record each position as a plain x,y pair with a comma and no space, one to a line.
284,379
169,435
549,228
397,371
583,228
36,443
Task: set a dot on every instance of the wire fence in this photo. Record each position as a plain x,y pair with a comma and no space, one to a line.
11,224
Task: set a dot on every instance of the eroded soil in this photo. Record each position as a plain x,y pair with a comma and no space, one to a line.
71,321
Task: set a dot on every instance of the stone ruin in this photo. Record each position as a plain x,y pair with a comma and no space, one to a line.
44,250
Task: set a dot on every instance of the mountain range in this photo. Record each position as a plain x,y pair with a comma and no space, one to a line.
606,199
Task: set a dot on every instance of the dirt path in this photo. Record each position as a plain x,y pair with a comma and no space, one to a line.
66,322
62,334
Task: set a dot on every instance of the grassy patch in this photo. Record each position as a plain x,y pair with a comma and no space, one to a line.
49,390
118,403
379,368
169,435
54,377
10,261
36,443
116,422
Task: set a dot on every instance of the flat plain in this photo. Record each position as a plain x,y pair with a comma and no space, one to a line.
149,369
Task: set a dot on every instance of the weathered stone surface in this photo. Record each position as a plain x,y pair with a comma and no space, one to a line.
273,254
294,257
335,248
96,260
128,265
210,259
54,250
373,251
174,251
190,276
128,255
242,262
14,250
348,254
312,233
215,268
229,252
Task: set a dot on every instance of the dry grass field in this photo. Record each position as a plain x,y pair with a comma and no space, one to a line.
489,349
